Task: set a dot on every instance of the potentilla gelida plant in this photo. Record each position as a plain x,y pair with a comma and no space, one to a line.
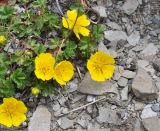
45,45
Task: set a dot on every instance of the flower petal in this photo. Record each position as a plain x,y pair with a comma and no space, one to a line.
75,30
108,71
18,118
83,21
63,72
5,119
72,15
84,31
66,23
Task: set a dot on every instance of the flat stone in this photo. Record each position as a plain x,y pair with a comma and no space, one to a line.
88,86
124,94
134,38
96,127
151,123
122,82
110,35
107,116
114,25
143,86
41,120
156,64
138,126
101,10
65,123
102,47
138,105
148,112
128,74
150,50
130,6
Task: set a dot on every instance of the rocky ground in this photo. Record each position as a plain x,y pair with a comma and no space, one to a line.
130,101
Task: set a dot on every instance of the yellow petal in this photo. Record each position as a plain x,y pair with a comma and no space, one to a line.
18,118
63,72
96,74
5,119
83,21
66,23
84,31
75,30
108,71
72,15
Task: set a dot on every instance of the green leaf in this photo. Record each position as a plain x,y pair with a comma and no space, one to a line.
98,32
6,88
19,78
54,43
40,49
70,50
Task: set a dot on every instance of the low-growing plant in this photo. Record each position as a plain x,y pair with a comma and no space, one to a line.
48,43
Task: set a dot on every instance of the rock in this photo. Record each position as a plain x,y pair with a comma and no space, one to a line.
65,123
138,126
110,35
138,105
156,64
72,86
128,74
101,10
124,94
56,106
114,25
88,86
122,82
107,116
40,120
143,86
96,127
148,112
150,50
151,123
90,98
102,47
134,38
130,6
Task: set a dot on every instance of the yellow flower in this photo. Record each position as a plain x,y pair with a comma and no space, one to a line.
44,66
12,112
101,66
63,72
2,39
78,24
35,91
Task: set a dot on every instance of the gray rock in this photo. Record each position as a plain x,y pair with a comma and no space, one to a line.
138,105
150,50
102,47
96,127
156,64
56,106
101,10
124,94
151,123
148,112
128,74
40,120
72,86
114,25
110,35
134,38
88,86
138,126
122,82
143,86
130,6
107,116
65,123
90,98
